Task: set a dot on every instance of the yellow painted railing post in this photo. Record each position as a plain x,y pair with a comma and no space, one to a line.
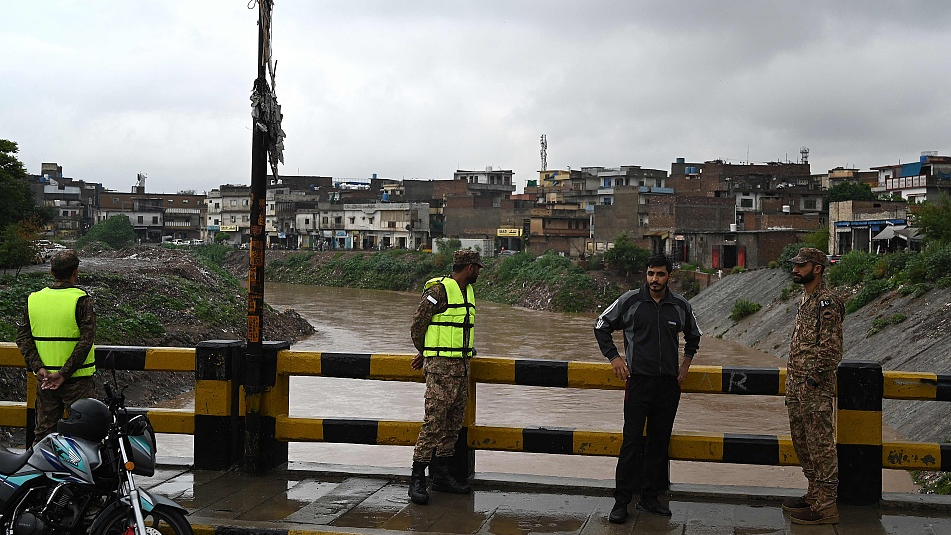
262,450
859,432
217,405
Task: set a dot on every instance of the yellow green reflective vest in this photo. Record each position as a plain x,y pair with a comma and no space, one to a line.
450,333
55,331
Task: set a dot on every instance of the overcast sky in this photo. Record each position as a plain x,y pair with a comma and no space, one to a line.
418,89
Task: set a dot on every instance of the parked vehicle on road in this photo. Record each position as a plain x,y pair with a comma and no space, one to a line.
81,478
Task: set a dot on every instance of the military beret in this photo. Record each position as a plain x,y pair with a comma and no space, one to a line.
463,257
809,254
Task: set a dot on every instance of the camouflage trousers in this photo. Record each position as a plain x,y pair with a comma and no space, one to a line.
445,408
812,426
51,404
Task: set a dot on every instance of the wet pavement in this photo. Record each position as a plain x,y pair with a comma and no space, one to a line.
309,498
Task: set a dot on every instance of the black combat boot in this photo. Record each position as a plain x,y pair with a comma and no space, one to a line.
443,481
417,484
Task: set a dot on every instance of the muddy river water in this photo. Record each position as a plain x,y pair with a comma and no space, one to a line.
366,321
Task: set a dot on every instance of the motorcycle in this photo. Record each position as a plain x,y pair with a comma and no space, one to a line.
81,478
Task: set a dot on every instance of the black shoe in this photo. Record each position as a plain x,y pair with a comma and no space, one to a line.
417,484
652,505
618,513
443,481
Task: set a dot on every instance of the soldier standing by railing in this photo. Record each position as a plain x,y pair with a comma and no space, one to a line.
814,355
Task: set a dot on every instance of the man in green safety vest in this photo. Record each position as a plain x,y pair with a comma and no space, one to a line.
442,333
56,340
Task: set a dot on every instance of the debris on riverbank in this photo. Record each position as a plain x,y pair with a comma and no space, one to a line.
151,297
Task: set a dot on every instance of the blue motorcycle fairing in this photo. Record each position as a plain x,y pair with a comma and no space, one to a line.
69,459
149,501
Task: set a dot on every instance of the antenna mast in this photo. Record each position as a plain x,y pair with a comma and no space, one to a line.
544,152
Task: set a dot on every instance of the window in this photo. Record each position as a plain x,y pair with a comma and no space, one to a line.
245,202
245,218
234,202
391,224
139,219
217,205
155,220
324,220
746,203
171,201
115,200
233,220
809,204
338,220
217,222
370,220
65,213
184,201
306,220
352,219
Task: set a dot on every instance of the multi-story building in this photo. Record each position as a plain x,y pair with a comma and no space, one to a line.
229,211
475,203
72,203
386,225
156,216
917,182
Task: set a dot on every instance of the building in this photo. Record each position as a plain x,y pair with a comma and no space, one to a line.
73,203
229,212
156,216
386,225
917,182
853,225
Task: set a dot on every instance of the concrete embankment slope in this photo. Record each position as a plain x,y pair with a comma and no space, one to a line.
921,343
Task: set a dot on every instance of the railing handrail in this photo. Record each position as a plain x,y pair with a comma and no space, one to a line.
219,400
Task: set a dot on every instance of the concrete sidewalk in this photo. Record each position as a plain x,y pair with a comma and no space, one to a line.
309,498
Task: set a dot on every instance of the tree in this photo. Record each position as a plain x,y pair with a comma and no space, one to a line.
222,237
818,239
16,198
626,257
850,191
116,232
17,248
934,219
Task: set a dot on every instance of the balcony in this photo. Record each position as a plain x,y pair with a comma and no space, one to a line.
563,233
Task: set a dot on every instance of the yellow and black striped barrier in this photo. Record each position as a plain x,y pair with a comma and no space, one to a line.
219,425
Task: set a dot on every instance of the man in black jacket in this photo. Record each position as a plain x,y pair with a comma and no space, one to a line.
652,318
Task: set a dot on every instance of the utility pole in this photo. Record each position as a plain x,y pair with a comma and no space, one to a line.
266,140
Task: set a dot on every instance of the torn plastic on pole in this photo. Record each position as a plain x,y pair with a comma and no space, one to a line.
267,116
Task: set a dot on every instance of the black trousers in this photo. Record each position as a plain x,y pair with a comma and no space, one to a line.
643,461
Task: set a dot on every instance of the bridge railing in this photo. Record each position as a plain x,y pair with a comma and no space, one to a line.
262,428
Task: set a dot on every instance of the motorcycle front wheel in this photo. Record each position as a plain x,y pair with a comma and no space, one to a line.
159,521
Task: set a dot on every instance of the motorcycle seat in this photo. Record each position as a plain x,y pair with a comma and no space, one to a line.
10,461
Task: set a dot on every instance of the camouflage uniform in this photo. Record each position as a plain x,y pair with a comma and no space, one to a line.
447,385
50,404
815,353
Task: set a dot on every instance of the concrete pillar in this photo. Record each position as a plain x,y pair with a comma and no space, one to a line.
218,424
261,450
859,432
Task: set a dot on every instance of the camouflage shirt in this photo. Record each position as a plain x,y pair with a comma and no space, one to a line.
85,318
434,301
816,347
